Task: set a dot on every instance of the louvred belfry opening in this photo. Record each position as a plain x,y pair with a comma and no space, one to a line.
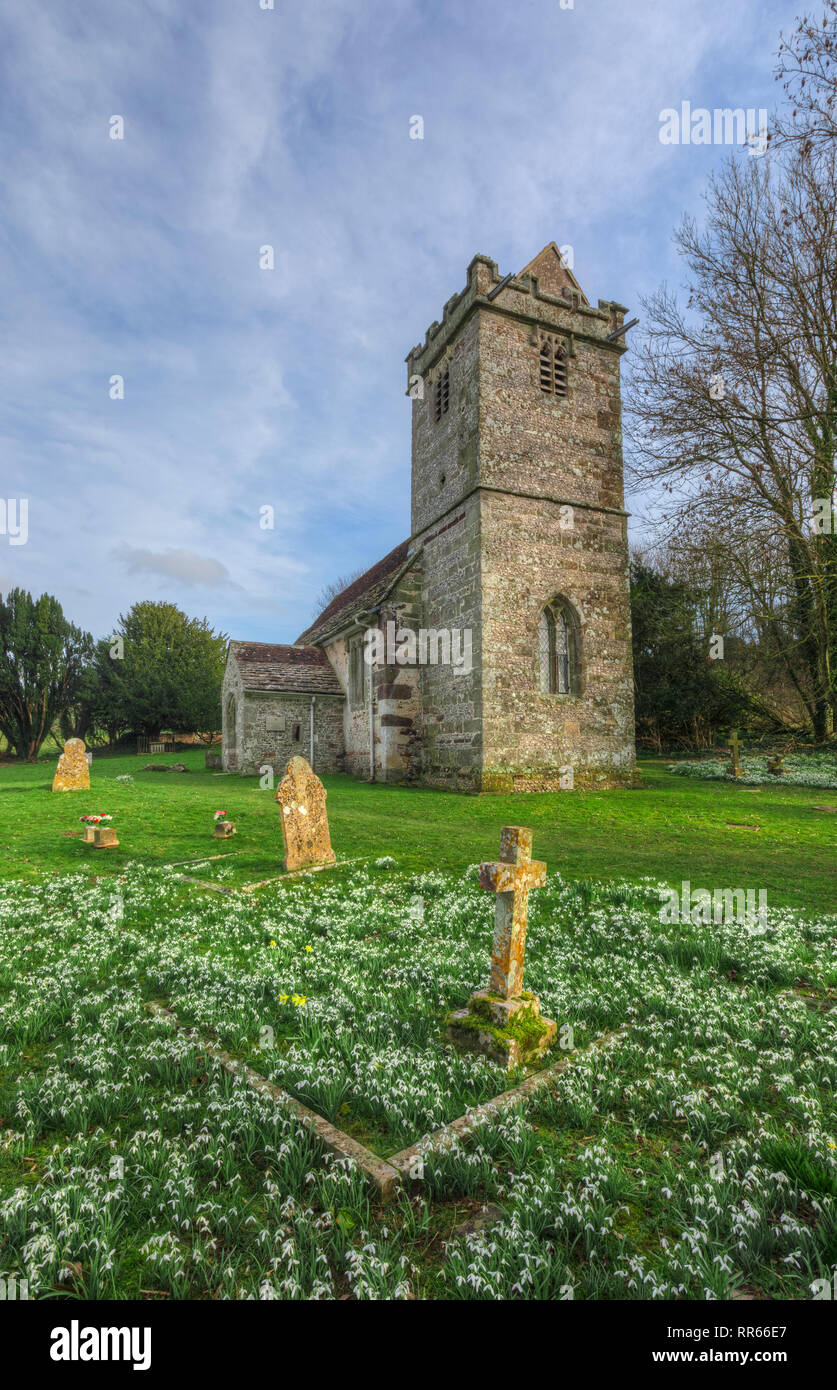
546,368
442,393
553,370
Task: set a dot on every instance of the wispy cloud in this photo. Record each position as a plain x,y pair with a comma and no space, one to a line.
245,387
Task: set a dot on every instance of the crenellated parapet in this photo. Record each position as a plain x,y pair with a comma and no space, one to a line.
552,301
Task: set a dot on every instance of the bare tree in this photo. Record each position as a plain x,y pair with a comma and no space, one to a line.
330,591
740,583
733,409
808,71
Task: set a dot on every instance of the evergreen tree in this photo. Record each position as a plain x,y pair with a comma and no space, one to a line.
42,663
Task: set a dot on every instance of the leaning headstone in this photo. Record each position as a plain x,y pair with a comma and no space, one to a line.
302,809
73,771
504,1021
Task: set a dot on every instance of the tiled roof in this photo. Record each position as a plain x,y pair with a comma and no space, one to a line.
273,666
362,594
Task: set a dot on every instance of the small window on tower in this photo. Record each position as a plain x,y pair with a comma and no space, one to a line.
553,370
442,397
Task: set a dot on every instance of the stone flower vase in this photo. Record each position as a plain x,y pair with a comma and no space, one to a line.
224,829
102,836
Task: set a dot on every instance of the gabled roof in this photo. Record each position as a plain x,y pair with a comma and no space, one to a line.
272,666
554,275
360,596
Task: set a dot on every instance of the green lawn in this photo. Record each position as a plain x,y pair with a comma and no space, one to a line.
672,828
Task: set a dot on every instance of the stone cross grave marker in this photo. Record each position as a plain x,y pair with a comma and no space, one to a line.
302,797
511,879
501,1021
73,770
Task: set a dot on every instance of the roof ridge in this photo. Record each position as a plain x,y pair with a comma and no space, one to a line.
290,650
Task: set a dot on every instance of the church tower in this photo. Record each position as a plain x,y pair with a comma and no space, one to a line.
518,515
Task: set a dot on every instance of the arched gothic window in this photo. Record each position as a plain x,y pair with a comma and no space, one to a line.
559,650
553,370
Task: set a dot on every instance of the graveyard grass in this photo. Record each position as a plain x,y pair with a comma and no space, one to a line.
693,1158
673,828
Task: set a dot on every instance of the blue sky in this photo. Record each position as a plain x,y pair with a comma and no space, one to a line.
290,127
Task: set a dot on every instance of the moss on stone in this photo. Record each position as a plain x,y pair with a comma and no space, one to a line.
496,781
480,1004
526,1031
478,1023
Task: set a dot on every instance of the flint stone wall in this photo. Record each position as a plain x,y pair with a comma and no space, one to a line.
260,728
494,483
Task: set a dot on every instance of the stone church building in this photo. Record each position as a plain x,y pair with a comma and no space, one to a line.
490,651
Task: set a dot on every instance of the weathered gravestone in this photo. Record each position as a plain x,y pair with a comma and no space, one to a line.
302,797
735,764
73,770
503,1021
